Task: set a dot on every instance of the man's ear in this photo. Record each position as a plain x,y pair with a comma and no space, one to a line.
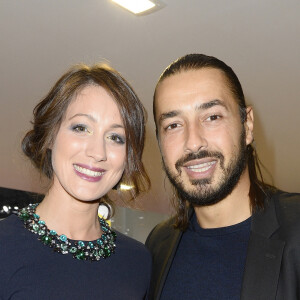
249,125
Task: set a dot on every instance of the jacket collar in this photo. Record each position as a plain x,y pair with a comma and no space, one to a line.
264,222
264,255
164,258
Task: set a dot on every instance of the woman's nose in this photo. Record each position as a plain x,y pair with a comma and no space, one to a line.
96,148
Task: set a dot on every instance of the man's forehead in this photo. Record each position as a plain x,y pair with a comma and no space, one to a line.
206,84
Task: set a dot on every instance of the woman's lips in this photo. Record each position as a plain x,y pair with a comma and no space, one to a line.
88,173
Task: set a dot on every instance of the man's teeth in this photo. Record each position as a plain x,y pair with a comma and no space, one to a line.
202,167
87,171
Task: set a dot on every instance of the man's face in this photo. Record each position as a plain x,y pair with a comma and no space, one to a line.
201,136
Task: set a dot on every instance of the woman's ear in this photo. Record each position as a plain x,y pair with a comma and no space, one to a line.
249,125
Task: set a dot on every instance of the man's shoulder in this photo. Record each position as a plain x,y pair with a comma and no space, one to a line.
161,232
287,207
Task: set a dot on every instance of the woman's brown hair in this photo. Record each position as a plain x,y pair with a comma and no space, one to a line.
50,111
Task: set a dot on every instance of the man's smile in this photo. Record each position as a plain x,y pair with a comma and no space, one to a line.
202,167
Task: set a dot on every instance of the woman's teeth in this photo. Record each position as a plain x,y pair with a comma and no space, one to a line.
87,171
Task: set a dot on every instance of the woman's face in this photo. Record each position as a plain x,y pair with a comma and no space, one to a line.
89,152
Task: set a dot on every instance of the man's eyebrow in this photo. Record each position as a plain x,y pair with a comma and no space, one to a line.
210,104
203,106
168,115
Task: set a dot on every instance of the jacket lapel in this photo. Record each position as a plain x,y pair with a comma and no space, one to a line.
168,249
263,258
163,255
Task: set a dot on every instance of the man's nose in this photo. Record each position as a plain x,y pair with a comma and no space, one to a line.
195,138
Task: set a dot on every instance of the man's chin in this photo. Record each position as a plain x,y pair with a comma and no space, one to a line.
198,186
199,199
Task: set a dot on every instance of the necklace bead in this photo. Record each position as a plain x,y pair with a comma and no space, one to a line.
92,250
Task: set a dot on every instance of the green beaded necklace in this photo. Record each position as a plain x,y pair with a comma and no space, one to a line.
93,251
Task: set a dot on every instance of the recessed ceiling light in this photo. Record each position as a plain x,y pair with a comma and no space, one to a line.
137,6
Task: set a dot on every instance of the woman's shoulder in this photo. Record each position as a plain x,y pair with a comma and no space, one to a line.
9,226
130,248
11,245
127,243
133,258
12,234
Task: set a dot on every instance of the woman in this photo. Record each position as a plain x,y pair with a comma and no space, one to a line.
87,137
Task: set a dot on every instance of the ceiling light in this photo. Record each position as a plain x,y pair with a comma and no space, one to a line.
137,6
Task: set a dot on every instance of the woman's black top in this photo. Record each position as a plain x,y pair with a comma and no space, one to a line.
31,270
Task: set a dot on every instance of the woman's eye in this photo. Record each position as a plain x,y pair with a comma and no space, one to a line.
117,138
80,128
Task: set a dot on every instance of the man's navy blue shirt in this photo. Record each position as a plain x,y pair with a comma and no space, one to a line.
209,263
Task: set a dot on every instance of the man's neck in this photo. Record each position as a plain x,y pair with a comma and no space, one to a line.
233,209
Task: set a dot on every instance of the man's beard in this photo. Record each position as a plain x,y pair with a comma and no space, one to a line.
204,194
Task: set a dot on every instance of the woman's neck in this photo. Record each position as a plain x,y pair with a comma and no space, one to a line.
76,219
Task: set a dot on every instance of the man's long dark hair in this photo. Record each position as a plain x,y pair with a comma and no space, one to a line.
258,188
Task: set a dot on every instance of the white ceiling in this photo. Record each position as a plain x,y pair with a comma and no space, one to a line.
39,40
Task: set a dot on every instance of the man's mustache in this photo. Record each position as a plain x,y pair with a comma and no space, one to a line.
198,155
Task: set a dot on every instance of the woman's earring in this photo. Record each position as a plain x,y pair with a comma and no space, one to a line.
103,211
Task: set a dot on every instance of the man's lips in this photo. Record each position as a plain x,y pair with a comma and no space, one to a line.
200,166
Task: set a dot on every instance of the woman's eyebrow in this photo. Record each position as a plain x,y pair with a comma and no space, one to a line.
83,115
115,125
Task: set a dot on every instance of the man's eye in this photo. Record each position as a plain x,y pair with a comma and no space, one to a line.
172,126
213,118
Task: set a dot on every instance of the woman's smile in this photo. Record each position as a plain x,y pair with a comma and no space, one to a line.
89,174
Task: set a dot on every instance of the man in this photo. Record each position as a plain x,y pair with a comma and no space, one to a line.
233,237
